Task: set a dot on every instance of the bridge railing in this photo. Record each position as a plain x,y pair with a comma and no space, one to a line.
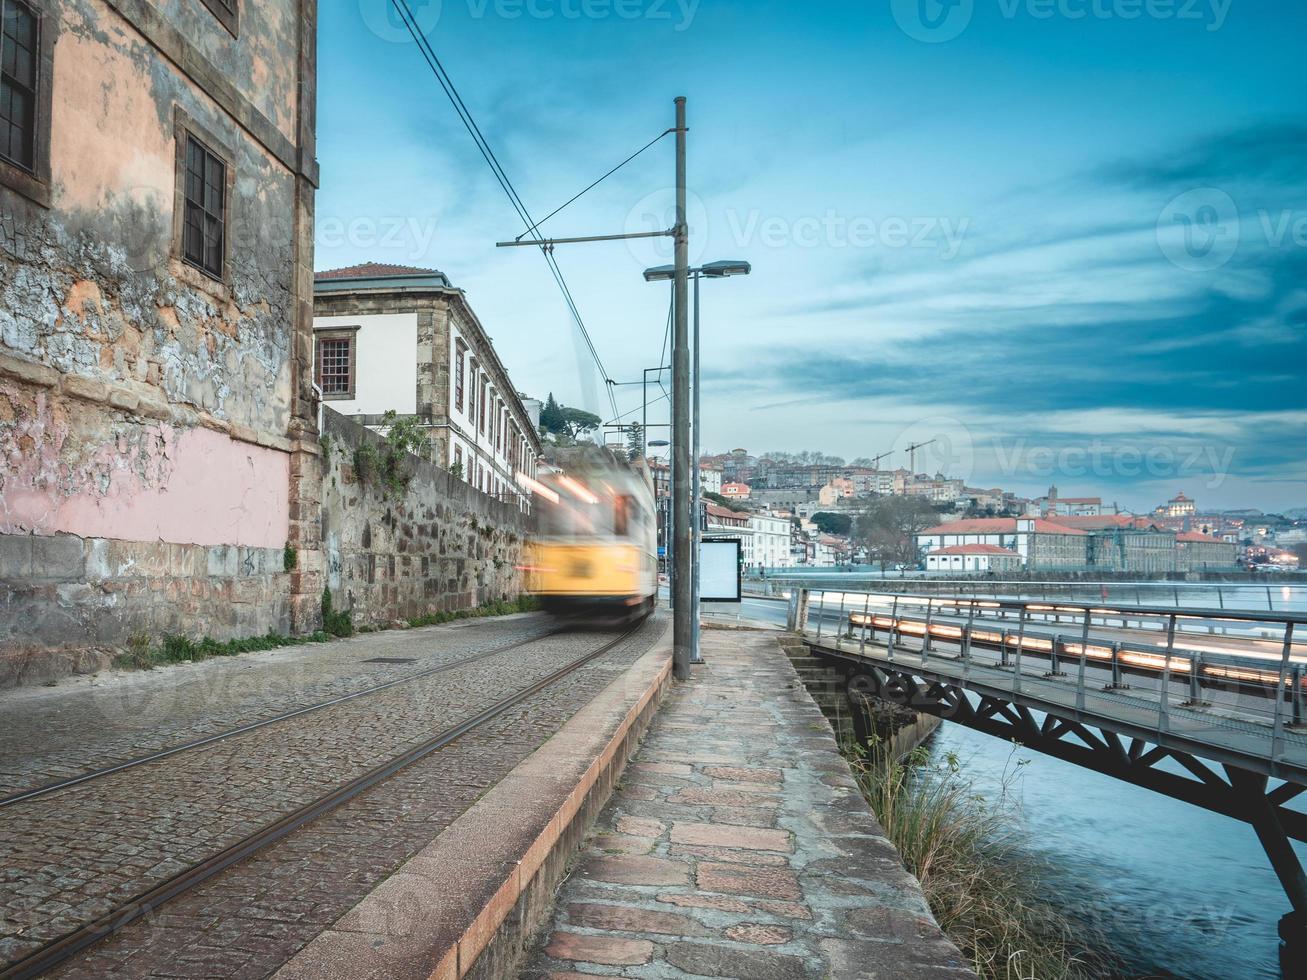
1187,670
1250,595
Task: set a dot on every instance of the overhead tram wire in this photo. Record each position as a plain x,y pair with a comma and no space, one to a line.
465,116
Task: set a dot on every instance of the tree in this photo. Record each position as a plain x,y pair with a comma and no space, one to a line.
635,442
576,421
828,523
551,417
1301,551
726,502
888,528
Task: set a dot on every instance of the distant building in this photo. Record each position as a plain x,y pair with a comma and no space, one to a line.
722,522
1040,544
1178,506
710,478
396,338
1125,543
973,558
1200,552
839,488
1055,505
768,545
735,491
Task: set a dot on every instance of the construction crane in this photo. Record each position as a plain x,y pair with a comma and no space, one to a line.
912,454
875,460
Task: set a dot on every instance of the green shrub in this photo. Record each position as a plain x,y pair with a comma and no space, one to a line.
337,623
289,557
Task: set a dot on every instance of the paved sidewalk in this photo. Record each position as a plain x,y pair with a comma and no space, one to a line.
738,845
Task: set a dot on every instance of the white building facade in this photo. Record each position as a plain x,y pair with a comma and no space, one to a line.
394,338
768,546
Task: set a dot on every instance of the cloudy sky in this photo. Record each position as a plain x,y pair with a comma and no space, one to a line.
1066,239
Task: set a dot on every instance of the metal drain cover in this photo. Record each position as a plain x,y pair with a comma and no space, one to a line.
392,660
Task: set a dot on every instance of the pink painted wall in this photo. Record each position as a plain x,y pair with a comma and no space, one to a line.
194,486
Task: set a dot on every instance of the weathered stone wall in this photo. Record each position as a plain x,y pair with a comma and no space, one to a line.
68,604
155,421
438,546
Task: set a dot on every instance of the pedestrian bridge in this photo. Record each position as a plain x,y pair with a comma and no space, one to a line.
1204,705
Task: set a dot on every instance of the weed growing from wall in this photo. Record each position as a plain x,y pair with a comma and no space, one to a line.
337,623
389,467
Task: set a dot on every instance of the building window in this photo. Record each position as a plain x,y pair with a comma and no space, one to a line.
27,35
460,374
337,359
205,217
458,459
227,12
481,407
19,74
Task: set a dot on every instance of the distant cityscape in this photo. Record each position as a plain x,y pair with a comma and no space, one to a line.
807,510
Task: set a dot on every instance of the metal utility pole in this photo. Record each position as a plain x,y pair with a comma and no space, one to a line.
684,625
696,536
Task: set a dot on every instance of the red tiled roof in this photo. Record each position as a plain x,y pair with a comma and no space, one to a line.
975,549
717,510
998,525
1196,537
375,270
1096,522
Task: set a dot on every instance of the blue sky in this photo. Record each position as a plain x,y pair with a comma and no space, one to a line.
1064,238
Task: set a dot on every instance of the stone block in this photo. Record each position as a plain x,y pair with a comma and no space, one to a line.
222,561
15,556
121,398
85,388
61,558
28,371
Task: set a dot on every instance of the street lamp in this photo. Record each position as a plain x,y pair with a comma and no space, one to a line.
712,270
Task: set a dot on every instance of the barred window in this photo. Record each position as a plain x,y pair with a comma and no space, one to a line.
336,366
203,228
19,71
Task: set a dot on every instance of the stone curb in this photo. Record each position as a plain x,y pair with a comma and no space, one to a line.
470,902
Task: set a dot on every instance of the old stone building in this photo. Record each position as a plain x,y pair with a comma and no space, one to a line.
160,468
396,338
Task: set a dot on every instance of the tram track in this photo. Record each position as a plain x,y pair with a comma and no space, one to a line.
144,904
45,789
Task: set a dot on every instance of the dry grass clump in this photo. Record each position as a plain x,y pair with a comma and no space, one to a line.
959,845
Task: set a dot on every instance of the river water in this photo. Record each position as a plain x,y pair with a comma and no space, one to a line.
1178,891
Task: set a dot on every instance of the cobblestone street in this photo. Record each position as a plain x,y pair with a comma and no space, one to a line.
105,841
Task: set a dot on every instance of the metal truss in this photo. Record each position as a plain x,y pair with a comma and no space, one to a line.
1221,788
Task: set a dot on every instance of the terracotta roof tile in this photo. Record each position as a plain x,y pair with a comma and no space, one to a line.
375,270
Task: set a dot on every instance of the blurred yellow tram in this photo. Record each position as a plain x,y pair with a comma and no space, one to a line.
596,552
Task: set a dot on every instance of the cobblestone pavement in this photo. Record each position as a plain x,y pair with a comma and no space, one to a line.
89,723
739,846
76,854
